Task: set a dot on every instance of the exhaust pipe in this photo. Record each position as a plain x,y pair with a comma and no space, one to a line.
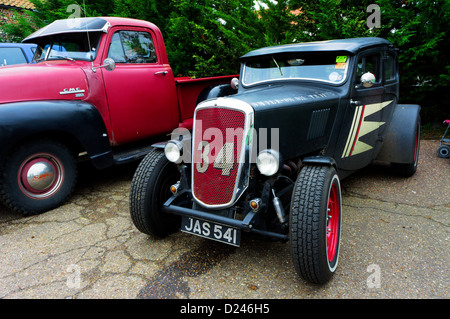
278,208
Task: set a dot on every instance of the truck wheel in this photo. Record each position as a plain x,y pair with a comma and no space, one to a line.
408,169
315,223
444,151
150,188
37,177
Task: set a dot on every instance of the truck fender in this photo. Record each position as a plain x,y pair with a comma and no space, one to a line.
81,121
215,91
399,141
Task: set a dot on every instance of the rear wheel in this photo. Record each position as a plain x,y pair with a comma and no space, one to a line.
315,223
150,188
38,176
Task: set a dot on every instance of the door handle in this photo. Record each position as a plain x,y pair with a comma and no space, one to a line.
356,103
161,72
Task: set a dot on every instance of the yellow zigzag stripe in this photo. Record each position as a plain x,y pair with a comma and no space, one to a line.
358,147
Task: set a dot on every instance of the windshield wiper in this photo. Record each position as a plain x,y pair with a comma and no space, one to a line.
63,57
277,65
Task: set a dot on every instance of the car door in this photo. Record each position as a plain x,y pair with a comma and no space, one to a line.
390,78
364,115
141,90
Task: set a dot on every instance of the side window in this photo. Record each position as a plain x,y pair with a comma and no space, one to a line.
9,56
389,68
369,63
116,49
132,47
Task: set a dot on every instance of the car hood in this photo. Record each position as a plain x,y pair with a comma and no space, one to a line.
298,119
43,81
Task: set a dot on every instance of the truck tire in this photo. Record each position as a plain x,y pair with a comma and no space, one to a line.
408,169
315,223
38,176
150,188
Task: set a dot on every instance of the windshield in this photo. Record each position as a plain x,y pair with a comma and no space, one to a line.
68,46
317,66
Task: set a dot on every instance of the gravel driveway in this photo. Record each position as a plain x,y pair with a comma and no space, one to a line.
395,244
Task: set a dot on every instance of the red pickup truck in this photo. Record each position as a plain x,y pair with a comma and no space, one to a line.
100,88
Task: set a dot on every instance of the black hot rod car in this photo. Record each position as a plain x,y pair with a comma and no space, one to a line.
269,158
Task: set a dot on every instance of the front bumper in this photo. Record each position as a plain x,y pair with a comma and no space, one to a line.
174,205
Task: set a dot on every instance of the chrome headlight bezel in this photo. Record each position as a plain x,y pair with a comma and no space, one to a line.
173,151
268,162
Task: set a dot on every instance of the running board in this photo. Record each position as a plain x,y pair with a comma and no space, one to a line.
127,156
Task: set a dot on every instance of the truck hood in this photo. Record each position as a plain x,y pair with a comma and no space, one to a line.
43,81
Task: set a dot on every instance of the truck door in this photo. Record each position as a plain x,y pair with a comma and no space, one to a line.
141,90
364,116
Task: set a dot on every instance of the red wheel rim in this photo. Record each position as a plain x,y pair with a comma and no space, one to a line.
416,146
333,221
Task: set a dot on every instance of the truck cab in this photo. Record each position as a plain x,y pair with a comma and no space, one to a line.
269,159
100,89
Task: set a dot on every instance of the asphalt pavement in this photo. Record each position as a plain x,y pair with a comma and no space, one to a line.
395,244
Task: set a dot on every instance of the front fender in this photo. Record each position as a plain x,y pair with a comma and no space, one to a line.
82,121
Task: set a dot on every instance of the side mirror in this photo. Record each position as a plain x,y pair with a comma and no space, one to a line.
234,83
109,64
367,80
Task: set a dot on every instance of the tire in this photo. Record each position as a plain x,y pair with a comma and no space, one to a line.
315,223
444,151
409,169
150,188
38,176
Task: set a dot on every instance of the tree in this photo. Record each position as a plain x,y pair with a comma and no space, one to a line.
206,37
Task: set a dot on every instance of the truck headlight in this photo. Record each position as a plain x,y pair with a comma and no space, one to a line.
173,150
268,162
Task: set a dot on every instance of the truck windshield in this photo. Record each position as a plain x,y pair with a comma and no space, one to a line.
68,46
328,67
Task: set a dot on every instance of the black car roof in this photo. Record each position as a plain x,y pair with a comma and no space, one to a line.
351,45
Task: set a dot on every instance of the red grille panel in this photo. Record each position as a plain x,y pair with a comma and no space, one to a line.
218,138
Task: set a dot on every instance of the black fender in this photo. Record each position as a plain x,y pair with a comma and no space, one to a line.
399,141
320,160
215,91
77,120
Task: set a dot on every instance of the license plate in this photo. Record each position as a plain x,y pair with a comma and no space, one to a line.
211,230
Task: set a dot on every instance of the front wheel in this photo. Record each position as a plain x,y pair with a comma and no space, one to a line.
315,223
38,176
150,188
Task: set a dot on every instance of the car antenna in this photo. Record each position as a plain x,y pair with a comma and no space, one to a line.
89,40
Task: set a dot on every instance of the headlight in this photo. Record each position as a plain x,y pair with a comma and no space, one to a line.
268,162
173,151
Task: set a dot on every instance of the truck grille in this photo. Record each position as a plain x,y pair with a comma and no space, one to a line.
217,148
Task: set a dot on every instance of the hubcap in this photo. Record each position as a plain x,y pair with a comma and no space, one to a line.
333,220
40,176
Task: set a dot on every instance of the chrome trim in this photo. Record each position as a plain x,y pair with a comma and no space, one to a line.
71,91
242,177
